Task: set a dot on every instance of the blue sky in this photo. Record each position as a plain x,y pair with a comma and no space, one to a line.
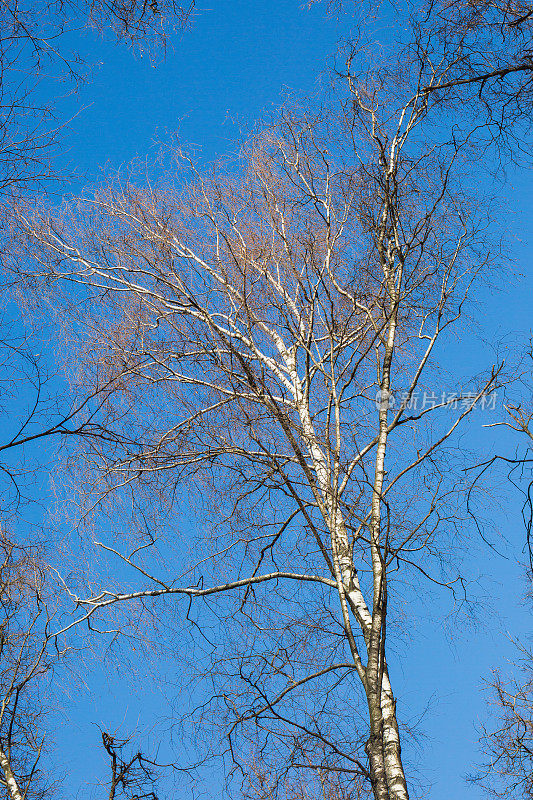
236,64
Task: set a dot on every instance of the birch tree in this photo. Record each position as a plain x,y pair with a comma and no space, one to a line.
27,609
507,745
270,331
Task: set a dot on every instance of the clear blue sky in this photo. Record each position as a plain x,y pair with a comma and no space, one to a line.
235,64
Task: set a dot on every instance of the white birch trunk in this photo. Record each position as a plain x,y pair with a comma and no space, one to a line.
11,783
393,784
391,740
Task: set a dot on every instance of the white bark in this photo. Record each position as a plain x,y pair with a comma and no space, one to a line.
10,780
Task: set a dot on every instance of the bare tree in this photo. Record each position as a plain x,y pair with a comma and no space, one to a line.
27,610
133,775
271,337
508,745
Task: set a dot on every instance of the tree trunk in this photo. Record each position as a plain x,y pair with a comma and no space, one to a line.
11,783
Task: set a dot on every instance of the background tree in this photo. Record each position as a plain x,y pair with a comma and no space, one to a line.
507,746
132,775
477,50
31,43
28,606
